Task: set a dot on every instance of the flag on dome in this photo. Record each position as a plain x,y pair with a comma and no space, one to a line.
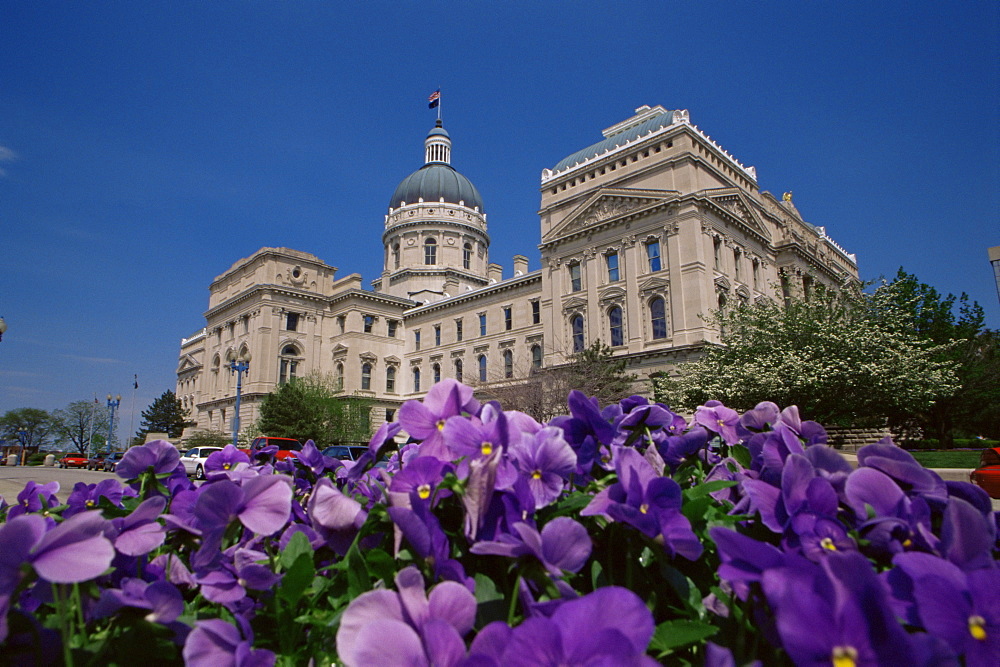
434,99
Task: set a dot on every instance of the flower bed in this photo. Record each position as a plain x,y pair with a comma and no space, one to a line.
622,535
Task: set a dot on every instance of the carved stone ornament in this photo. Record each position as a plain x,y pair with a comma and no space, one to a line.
672,228
411,242
628,241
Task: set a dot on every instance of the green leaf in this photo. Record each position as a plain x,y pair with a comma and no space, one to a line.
490,603
358,577
381,565
297,578
298,545
742,455
673,634
708,487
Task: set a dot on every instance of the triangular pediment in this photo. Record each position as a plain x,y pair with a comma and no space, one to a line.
654,285
612,294
737,205
392,360
187,363
574,303
611,204
339,350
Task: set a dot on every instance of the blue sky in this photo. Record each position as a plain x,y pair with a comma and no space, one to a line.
146,147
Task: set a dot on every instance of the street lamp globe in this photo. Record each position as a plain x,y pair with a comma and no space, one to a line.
3,328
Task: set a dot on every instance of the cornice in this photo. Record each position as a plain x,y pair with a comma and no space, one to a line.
475,295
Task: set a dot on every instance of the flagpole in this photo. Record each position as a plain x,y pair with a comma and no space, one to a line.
439,102
131,418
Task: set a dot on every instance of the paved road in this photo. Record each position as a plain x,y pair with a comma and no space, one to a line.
13,479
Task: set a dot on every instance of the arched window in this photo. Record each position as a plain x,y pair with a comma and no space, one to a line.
576,324
338,377
467,256
615,324
508,364
536,357
430,252
366,377
395,256
482,368
416,379
658,317
390,380
436,369
287,364
458,370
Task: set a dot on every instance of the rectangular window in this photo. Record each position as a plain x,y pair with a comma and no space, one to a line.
390,414
756,274
737,274
653,254
416,340
292,321
246,324
575,282
391,329
458,330
508,318
437,334
612,260
482,324
369,323
536,312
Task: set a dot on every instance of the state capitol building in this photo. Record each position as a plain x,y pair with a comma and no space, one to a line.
641,234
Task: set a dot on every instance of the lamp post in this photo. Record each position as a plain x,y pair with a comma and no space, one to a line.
238,365
22,436
112,404
3,328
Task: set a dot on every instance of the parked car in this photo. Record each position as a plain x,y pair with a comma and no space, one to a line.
74,460
95,462
194,460
111,461
987,475
344,452
286,446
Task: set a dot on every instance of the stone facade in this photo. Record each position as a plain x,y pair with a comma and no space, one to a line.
642,234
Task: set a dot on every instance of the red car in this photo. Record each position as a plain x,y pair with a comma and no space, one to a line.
76,460
286,446
987,475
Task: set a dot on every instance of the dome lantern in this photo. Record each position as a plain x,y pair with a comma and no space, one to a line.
437,146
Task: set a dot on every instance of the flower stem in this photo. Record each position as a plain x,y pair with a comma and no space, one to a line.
513,600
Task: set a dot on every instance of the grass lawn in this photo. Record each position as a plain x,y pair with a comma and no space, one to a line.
945,458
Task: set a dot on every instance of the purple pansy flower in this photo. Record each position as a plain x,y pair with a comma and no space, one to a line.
336,517
158,455
161,598
426,420
227,462
563,544
610,626
34,497
139,533
215,643
546,460
87,496
409,627
719,419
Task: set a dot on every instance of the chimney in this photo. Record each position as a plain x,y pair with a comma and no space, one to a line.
494,273
520,265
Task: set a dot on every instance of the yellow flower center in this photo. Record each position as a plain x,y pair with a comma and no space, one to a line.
828,544
225,466
907,543
976,628
536,475
720,423
844,656
440,424
487,448
424,491
644,508
90,503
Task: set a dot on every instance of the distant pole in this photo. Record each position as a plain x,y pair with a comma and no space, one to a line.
131,417
112,404
238,365
439,103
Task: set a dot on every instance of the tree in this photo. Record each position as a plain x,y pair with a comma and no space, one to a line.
207,439
843,356
956,325
309,408
164,415
37,425
80,422
541,393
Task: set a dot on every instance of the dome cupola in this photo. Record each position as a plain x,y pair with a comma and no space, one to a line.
437,180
